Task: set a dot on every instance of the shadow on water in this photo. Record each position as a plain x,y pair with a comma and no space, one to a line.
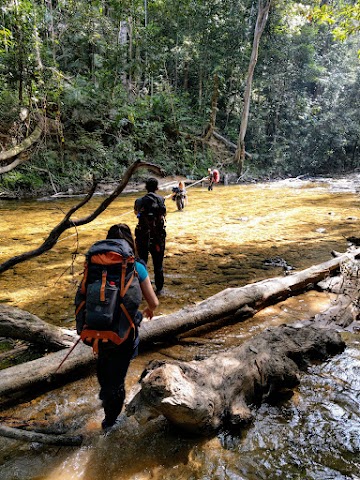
219,240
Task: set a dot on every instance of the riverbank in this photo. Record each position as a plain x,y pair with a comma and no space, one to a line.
338,183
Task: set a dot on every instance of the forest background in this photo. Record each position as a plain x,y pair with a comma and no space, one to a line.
89,86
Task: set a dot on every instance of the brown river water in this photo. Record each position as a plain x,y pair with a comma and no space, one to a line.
221,239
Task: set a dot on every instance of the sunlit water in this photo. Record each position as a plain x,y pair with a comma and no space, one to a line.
221,239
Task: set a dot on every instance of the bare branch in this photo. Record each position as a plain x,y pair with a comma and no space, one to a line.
25,435
67,222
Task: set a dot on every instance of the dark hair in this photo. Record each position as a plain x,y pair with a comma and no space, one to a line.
121,230
151,184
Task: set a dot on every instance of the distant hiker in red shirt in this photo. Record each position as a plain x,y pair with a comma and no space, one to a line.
214,177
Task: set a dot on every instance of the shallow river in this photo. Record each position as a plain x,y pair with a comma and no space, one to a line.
222,238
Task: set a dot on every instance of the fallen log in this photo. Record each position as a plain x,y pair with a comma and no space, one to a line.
39,375
239,303
21,325
232,146
221,391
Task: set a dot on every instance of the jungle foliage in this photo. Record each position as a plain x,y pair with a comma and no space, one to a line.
135,80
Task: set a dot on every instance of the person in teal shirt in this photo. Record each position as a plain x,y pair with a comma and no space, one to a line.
114,360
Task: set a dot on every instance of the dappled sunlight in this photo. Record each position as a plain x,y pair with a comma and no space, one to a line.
222,238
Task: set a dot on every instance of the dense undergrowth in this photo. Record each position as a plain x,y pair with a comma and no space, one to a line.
122,81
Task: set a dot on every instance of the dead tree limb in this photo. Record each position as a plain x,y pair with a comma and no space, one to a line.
48,439
67,222
24,145
234,303
202,396
232,146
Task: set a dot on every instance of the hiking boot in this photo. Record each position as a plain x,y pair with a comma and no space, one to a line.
107,423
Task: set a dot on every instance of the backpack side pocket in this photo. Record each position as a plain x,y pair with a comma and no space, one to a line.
101,305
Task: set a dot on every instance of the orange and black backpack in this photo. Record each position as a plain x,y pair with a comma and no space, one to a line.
109,294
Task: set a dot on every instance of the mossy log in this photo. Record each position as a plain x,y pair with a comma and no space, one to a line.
203,396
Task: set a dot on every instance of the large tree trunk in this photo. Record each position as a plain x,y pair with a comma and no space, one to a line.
234,303
24,145
214,107
202,396
263,13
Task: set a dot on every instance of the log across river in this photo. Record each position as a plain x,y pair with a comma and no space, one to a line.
211,245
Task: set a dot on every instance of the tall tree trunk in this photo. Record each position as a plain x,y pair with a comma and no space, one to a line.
123,40
186,76
52,29
214,103
130,50
200,94
263,13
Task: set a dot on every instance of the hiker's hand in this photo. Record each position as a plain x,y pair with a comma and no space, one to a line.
147,313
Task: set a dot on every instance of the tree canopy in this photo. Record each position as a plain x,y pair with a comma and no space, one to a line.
112,82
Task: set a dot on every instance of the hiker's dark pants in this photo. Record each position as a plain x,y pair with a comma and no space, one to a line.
112,366
156,247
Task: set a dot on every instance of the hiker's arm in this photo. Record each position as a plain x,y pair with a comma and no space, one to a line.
150,298
137,206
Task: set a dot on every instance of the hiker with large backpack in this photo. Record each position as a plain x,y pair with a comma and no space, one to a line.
107,316
150,233
179,196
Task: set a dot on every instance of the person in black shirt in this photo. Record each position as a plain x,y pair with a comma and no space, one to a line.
150,233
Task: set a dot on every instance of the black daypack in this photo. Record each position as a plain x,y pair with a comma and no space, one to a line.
109,295
151,211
